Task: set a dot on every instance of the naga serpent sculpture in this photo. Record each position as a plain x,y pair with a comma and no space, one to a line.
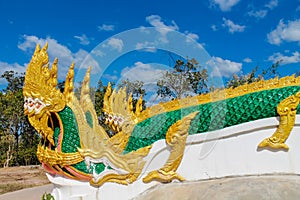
74,145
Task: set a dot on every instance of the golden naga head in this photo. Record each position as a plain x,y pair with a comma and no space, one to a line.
41,95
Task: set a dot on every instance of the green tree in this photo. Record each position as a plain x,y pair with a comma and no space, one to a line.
99,97
253,76
6,148
14,125
13,106
238,80
136,88
185,79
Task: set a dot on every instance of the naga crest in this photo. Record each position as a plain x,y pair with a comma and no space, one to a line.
40,92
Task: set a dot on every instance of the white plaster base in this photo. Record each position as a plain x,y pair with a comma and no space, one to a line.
228,152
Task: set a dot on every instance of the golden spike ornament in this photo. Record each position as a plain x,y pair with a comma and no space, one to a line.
40,92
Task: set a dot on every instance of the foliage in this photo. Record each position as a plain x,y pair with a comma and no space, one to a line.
243,79
252,76
6,149
47,196
185,79
15,130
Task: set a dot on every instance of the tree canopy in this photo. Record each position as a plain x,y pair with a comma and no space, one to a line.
18,138
185,79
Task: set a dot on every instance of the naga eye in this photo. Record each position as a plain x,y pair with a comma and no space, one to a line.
31,103
38,105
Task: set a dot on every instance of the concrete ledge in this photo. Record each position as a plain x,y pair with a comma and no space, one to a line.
275,187
34,193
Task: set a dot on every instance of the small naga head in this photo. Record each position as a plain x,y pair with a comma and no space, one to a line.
41,96
73,143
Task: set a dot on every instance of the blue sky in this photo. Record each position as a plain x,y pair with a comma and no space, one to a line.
237,35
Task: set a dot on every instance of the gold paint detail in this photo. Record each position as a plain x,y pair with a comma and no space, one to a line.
87,105
89,136
287,110
131,163
41,85
52,157
120,116
95,142
69,85
119,141
176,139
106,103
41,126
117,105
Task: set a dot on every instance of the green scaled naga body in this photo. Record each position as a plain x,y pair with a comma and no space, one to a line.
74,145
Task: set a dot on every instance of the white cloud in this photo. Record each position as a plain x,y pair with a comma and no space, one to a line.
259,14
56,50
140,71
156,21
110,77
272,4
232,27
149,74
225,5
115,43
30,42
247,60
99,53
83,39
84,59
106,27
262,13
161,27
225,68
294,58
10,67
191,36
289,32
146,46
214,27
144,29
